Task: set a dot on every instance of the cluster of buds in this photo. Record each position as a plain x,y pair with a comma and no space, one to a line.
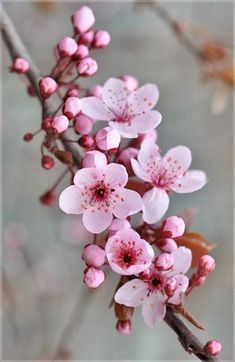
94,257
206,265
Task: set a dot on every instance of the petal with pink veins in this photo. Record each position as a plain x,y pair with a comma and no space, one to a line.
87,177
182,282
176,162
132,294
139,171
154,309
183,260
115,94
156,203
95,108
149,153
143,99
97,221
130,204
192,181
115,175
146,122
125,130
71,200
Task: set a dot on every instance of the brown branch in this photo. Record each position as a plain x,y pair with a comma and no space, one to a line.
16,48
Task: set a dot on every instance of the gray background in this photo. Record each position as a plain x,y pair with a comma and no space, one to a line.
143,46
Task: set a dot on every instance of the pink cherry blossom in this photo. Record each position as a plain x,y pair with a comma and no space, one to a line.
100,194
152,292
165,174
129,112
127,253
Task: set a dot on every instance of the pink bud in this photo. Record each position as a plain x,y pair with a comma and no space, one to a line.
67,47
83,19
47,162
93,255
48,199
93,277
118,224
101,39
60,123
87,67
95,90
87,38
205,266
124,327
167,245
86,141
145,275
125,156
83,124
94,159
47,87
173,227
20,65
81,53
108,138
199,281
46,123
72,107
131,82
151,135
28,137
213,347
164,261
72,92
170,287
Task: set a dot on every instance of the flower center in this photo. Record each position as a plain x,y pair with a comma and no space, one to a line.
127,254
155,282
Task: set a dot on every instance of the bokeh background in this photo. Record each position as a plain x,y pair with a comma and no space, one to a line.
43,280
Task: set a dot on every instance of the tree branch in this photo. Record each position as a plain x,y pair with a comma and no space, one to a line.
16,48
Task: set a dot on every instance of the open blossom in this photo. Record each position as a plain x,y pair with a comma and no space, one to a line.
99,194
127,253
157,288
129,112
165,174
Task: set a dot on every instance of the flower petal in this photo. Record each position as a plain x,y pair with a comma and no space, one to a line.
125,130
87,177
182,282
149,153
115,94
97,221
70,200
132,293
156,202
143,99
154,309
139,171
183,260
192,181
95,108
147,122
115,175
130,204
176,161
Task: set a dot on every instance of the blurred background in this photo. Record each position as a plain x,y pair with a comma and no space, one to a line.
47,312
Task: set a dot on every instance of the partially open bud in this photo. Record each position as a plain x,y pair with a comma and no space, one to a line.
95,90
47,162
122,312
170,287
93,255
173,227
94,159
48,199
46,123
83,19
108,138
164,261
81,53
131,82
20,65
101,39
206,265
83,124
67,47
167,245
60,123
87,67
47,87
72,107
124,327
213,347
86,141
93,277
28,137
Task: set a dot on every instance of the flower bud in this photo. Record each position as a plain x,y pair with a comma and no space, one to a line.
86,141
93,277
213,347
164,261
48,199
67,47
145,275
108,138
206,265
46,123
47,162
47,87
72,107
93,255
81,53
101,39
95,90
170,287
173,227
28,137
118,224
125,156
87,67
122,312
20,65
83,124
124,327
131,82
60,123
87,38
72,92
94,159
83,19
167,245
